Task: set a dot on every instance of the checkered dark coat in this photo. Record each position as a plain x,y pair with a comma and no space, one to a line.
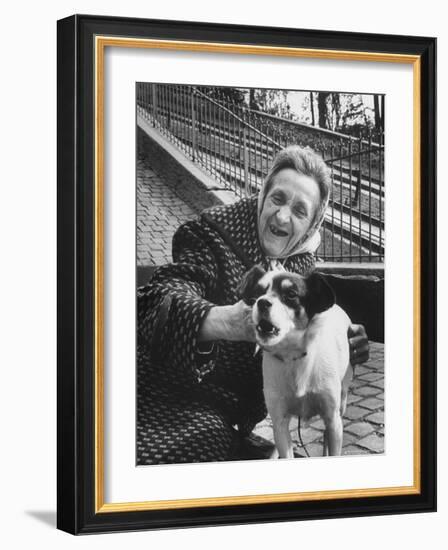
190,399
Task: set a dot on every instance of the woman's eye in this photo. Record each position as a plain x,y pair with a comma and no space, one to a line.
300,212
276,199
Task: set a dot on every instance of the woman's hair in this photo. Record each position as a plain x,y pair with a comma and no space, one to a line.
306,162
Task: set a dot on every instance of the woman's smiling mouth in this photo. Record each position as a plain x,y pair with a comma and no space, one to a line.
278,232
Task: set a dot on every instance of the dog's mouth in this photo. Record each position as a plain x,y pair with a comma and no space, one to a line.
266,328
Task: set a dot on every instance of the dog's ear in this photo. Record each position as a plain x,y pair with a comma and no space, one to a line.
250,280
319,296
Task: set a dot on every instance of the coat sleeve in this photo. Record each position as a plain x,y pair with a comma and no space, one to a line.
172,307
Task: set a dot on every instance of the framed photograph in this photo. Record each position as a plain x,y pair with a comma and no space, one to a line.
246,274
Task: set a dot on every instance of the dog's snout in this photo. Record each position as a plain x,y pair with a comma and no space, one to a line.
264,304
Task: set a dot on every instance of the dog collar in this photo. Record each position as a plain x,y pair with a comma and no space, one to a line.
280,358
277,356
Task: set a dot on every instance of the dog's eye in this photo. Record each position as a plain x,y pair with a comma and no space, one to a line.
250,301
291,294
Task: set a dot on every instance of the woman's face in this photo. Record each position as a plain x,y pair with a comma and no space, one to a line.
288,210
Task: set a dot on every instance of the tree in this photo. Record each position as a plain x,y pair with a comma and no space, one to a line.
322,110
252,103
273,102
335,111
378,108
313,121
224,94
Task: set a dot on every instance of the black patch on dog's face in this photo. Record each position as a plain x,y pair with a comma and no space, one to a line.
319,296
291,290
312,293
250,289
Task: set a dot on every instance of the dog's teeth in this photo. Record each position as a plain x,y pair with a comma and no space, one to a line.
272,330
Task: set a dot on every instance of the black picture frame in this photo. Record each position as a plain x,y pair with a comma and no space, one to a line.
77,510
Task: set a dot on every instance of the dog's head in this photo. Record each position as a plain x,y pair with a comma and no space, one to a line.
283,302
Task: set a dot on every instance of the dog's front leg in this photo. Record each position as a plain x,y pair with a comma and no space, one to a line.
334,434
282,437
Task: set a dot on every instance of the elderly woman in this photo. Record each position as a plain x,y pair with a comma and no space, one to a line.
199,382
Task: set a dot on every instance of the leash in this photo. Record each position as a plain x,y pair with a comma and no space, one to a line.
301,440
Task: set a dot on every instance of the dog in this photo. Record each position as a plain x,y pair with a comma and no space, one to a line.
306,359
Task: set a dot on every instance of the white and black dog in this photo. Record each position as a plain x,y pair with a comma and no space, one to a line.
306,367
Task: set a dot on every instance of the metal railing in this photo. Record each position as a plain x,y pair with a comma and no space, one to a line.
236,145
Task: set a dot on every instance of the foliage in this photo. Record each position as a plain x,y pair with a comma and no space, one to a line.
350,114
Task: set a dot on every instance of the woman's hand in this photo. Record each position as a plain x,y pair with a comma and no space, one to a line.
359,344
228,323
241,326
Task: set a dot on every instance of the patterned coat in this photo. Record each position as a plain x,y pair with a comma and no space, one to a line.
210,257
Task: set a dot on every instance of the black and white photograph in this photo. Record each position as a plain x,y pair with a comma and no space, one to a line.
220,302
260,247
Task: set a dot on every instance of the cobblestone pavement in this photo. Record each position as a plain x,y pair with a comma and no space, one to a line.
363,419
159,213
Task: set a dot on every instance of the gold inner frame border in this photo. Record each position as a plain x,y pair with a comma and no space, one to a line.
101,42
